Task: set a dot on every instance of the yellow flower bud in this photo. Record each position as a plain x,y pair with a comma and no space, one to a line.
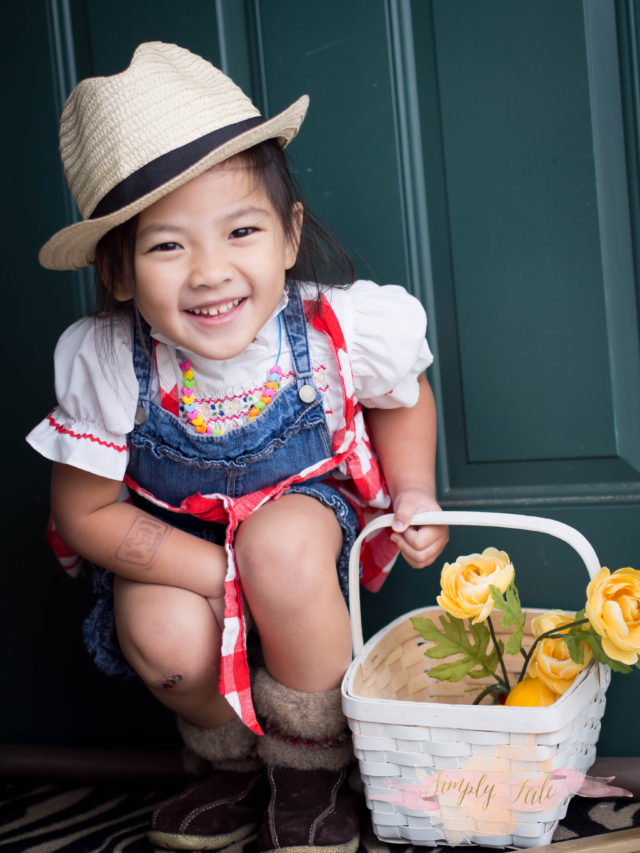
465,583
613,608
551,661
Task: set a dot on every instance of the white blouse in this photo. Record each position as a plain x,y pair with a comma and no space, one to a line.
97,390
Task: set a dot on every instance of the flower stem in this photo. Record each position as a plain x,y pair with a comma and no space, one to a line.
554,632
497,648
490,688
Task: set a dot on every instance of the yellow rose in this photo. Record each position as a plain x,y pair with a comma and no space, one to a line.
613,608
551,661
465,583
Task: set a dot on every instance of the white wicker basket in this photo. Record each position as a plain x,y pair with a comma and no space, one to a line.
408,728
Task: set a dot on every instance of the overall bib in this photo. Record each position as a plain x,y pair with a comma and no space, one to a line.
174,472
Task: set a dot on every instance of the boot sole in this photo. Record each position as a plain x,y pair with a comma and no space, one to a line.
177,841
349,847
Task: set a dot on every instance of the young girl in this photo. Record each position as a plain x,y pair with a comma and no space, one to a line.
213,441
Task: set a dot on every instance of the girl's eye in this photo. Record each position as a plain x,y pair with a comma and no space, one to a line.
242,232
165,247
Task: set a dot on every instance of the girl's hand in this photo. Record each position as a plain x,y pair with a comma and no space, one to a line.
420,546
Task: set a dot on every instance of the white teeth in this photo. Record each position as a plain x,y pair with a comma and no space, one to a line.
217,309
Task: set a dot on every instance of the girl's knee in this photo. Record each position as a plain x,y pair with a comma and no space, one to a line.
292,546
175,660
268,554
171,641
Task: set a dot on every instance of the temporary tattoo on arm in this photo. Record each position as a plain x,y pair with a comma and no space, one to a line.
142,542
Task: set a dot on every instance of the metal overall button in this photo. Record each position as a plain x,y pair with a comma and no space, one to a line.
140,416
307,393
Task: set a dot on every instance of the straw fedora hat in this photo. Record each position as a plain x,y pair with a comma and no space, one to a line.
129,139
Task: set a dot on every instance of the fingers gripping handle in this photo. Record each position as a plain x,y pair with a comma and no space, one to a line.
469,519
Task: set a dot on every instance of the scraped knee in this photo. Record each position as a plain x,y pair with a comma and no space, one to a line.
169,635
171,681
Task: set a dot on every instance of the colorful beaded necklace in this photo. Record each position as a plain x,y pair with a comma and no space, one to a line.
188,409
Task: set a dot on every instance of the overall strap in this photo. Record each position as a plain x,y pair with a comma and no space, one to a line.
142,358
295,324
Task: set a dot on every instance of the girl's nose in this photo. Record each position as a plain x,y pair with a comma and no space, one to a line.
211,267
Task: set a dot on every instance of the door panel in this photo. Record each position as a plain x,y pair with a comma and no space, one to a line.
541,253
523,210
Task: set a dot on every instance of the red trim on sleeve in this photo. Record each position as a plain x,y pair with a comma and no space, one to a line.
64,431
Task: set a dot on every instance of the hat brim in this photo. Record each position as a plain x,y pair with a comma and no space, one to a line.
73,247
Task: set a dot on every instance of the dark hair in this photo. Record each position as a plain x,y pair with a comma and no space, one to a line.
320,257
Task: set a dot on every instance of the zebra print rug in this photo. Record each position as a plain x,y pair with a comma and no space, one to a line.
113,818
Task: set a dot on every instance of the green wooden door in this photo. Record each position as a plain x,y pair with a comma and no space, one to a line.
482,152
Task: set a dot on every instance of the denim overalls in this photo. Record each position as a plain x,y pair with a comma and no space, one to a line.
171,461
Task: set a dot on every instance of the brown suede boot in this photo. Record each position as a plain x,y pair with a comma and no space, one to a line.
222,807
307,750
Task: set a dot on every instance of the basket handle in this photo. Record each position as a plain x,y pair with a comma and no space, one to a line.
471,519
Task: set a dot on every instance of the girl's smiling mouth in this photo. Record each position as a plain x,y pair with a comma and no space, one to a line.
216,310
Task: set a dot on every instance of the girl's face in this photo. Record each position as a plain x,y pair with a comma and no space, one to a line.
210,262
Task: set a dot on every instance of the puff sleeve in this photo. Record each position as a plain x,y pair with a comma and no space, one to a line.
97,391
384,328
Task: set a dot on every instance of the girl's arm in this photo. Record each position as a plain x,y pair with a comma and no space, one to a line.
128,541
405,442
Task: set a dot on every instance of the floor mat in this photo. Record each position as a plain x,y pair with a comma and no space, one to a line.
113,818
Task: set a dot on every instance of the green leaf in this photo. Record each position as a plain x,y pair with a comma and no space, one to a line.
452,639
586,633
446,644
494,657
452,671
574,644
595,642
591,636
481,635
512,615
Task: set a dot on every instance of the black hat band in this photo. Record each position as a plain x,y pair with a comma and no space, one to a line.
168,166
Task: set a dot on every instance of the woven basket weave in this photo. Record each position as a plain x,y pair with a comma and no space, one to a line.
416,737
